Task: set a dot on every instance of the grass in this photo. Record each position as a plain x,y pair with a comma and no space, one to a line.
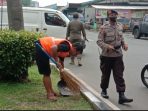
32,95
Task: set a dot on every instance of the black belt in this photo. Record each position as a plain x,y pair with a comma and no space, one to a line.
117,47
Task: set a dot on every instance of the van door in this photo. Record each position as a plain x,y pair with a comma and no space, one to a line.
4,19
144,24
53,24
32,20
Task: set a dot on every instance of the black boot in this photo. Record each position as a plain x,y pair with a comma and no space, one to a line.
123,99
104,94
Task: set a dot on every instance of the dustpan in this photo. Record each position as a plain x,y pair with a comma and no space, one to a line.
63,89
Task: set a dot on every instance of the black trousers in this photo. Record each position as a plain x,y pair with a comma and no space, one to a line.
42,61
116,65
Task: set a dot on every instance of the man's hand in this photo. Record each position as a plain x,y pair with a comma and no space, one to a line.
86,39
110,47
59,66
125,47
66,38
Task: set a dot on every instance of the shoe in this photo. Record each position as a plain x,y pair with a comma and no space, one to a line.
123,99
79,64
104,94
72,63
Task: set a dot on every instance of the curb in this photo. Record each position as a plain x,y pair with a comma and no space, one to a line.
95,99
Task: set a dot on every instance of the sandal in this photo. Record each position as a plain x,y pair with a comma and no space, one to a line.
56,94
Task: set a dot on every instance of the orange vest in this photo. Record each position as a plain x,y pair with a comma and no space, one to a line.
48,42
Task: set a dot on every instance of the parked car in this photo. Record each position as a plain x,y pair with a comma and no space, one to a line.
125,23
133,22
141,28
42,20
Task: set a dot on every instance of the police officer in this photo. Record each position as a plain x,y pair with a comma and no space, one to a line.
111,41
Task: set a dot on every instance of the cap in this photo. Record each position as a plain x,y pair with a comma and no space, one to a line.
112,11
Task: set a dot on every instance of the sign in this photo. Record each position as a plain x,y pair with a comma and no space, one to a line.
138,14
3,2
102,13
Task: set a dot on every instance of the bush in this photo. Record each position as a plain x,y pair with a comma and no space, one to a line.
16,53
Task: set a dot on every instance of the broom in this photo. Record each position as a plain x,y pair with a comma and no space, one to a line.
70,81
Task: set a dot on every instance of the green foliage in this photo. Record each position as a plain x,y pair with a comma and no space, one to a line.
32,95
16,53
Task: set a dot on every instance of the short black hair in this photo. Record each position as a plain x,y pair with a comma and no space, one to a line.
76,15
64,47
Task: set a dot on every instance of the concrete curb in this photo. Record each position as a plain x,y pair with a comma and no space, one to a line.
97,102
95,99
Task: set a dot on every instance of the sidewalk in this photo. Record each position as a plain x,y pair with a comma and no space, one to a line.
92,96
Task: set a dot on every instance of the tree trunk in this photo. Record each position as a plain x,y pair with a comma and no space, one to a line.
15,15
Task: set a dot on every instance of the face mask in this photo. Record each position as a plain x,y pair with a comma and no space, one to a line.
113,19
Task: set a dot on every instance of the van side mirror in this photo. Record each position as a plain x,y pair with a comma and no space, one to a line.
64,24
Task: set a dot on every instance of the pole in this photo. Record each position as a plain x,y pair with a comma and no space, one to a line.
84,15
1,14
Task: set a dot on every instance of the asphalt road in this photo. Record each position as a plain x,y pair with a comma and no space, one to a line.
135,58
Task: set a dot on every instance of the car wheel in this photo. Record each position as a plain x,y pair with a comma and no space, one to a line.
137,33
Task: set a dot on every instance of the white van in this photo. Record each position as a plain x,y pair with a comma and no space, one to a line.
45,20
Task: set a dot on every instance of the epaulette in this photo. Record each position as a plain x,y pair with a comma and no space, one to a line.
106,23
118,23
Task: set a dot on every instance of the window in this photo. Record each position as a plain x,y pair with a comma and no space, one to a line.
53,19
146,19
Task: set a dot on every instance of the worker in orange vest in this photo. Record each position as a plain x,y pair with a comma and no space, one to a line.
58,49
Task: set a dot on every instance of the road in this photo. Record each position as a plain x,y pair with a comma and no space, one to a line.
134,59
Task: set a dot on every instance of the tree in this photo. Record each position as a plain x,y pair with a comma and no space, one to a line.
15,15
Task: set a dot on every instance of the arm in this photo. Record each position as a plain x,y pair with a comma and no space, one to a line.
54,53
61,61
68,32
123,44
55,56
83,32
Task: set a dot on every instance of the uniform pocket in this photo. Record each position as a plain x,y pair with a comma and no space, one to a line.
109,38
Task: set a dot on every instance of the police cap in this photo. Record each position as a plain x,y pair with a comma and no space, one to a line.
112,12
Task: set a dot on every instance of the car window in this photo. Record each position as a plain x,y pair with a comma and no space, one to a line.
81,18
53,19
123,20
146,19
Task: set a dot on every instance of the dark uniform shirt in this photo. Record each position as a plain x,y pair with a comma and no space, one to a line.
74,30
